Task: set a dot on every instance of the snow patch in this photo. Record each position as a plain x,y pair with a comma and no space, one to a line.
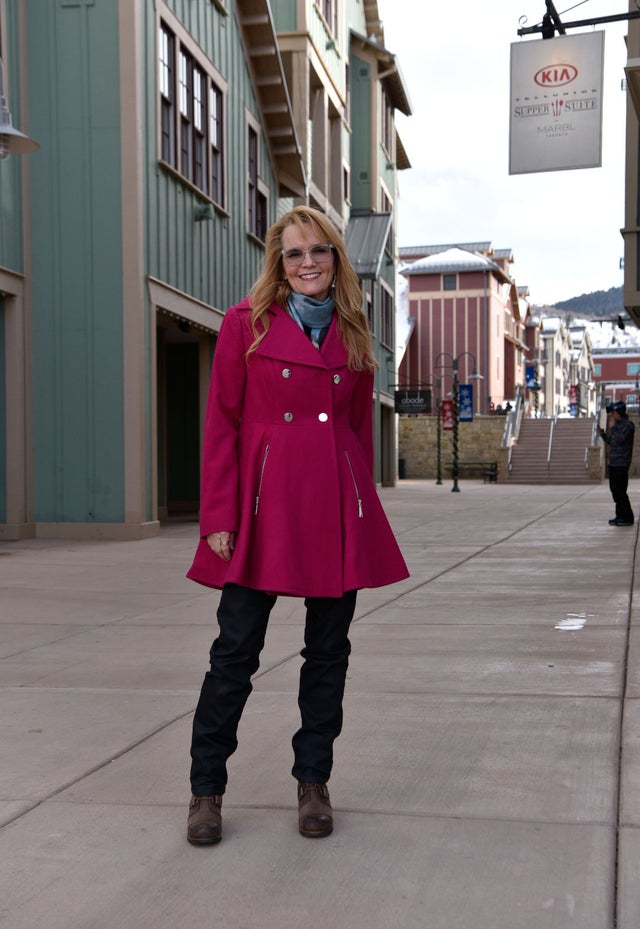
573,622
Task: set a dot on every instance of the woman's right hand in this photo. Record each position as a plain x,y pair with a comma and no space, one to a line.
222,544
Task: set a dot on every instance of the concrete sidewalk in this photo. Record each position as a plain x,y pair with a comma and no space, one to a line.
488,775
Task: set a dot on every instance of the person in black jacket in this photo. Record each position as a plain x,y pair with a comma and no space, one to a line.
620,442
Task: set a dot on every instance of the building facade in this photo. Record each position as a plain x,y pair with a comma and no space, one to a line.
171,136
462,303
568,371
618,372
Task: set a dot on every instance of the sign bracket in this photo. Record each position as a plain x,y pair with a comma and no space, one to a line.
551,22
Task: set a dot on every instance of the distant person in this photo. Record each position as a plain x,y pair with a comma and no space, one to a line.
288,504
620,442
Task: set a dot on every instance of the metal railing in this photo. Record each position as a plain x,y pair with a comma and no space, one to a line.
512,424
598,416
513,420
550,447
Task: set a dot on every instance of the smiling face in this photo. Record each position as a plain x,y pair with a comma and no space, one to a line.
309,277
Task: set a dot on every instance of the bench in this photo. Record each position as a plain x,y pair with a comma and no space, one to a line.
489,469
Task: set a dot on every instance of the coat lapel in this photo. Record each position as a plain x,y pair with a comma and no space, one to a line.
285,341
333,350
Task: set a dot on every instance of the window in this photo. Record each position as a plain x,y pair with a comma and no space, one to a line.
191,116
192,100
166,79
215,141
386,318
386,124
597,370
449,281
257,200
329,9
369,311
199,128
633,369
347,91
185,91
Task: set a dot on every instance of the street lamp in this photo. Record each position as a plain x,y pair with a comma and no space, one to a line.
453,364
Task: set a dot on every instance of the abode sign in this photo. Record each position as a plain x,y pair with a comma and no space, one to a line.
412,401
556,103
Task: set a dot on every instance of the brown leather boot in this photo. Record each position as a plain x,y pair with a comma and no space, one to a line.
204,825
315,816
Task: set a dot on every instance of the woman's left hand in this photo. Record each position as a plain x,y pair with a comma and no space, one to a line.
222,544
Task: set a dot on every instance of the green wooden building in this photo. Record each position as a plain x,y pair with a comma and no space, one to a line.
172,133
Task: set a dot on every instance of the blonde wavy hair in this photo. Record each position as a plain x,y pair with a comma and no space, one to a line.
273,287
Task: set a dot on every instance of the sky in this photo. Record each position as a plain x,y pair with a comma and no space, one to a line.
562,226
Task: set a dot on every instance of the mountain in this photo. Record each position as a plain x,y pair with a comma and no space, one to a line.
599,312
598,303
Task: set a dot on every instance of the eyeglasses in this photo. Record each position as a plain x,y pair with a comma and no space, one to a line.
319,254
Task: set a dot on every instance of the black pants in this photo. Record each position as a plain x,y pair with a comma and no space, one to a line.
618,483
243,615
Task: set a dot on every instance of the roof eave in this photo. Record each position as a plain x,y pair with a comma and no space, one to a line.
263,57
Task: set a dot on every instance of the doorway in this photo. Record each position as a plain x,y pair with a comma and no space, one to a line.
178,419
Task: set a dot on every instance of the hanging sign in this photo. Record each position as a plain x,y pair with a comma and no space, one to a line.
465,400
447,414
556,103
412,401
530,377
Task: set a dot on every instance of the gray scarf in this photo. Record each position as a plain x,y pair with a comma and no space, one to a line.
314,314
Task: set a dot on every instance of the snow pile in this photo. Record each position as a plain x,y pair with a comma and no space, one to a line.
607,334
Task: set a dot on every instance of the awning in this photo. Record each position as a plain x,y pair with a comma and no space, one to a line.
365,238
389,73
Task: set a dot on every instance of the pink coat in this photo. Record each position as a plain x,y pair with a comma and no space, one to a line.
287,465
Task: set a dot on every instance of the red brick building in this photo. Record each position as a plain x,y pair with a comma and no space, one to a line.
462,302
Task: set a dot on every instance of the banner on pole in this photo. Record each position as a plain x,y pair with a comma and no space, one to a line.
556,103
446,408
465,401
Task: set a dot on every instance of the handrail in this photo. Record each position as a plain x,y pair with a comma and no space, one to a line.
513,420
596,421
553,426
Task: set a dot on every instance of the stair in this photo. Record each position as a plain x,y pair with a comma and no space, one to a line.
571,438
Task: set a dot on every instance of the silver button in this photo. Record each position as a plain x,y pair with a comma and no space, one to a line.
336,378
323,417
288,417
286,372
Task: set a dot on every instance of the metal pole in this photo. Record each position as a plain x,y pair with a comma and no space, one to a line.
439,438
456,417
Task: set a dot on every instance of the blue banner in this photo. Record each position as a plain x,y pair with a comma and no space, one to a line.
465,401
530,376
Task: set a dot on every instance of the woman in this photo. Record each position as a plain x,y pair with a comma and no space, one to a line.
288,505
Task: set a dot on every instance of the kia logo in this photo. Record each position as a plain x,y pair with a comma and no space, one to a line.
555,75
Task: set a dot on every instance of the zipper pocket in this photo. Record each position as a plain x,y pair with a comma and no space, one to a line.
355,485
264,464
